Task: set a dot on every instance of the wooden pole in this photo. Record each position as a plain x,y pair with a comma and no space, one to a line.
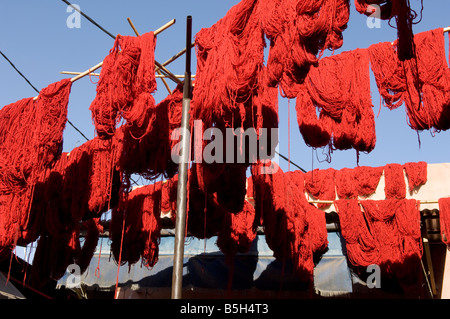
99,65
176,56
164,27
83,74
179,76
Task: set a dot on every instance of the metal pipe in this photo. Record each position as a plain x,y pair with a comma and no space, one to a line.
180,222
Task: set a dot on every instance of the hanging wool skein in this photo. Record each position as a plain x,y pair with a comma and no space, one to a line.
88,180
55,253
230,55
343,101
396,225
427,99
367,178
394,181
231,92
25,155
416,174
124,89
359,181
138,153
384,232
346,183
298,31
444,219
421,83
294,229
149,154
238,233
136,226
169,197
205,214
174,108
225,179
72,196
361,246
404,16
320,184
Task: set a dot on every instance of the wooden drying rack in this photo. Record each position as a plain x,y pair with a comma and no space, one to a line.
159,68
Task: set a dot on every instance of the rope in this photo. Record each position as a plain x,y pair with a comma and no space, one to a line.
90,20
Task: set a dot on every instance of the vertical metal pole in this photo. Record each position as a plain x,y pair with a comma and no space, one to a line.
180,222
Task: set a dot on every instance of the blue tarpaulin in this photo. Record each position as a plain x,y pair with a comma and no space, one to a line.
207,273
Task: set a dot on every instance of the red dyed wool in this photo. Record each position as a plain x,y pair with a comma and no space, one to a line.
396,227
126,82
416,174
238,231
231,91
358,181
55,253
149,154
89,179
169,197
394,181
316,131
205,214
226,180
82,185
427,99
298,31
401,11
360,243
346,183
136,226
293,228
93,229
444,219
421,83
31,134
367,179
174,104
381,223
52,257
385,232
230,55
72,196
339,90
320,184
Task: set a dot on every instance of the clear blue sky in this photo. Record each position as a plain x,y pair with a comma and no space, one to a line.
34,35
